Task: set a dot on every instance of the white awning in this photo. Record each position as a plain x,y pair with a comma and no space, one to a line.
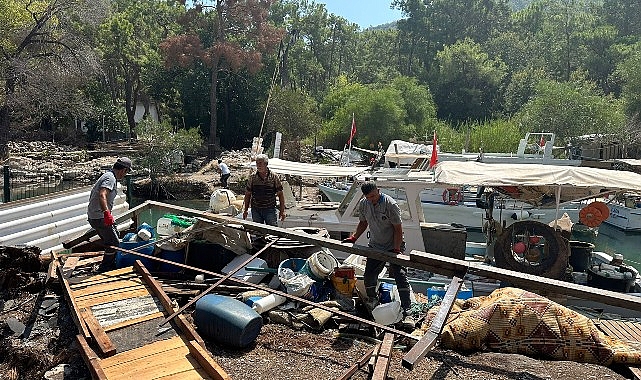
312,170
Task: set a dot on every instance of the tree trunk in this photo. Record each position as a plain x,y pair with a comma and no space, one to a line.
213,148
4,131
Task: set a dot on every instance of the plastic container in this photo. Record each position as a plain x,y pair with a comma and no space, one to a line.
320,265
385,292
124,259
175,256
243,274
144,235
580,255
344,280
227,320
267,303
462,294
388,313
358,263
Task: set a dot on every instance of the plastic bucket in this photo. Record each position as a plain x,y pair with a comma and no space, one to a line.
295,264
320,265
227,320
580,254
344,280
175,256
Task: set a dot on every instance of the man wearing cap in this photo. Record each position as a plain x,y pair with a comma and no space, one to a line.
101,202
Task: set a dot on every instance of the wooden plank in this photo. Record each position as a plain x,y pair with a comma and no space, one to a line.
144,351
192,374
99,276
134,321
428,341
74,307
89,261
206,361
101,338
162,364
52,271
86,284
69,266
629,330
156,290
349,372
440,264
116,294
636,329
91,359
383,358
101,288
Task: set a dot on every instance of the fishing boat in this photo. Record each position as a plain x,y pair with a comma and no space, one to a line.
625,211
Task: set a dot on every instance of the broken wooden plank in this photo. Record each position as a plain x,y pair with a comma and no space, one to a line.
99,335
74,307
69,266
92,360
358,365
209,365
383,358
133,321
428,341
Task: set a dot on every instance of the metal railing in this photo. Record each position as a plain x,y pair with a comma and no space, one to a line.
18,184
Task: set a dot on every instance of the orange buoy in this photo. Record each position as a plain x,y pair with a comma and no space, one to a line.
519,247
590,216
602,207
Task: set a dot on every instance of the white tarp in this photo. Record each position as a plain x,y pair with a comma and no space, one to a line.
312,170
481,174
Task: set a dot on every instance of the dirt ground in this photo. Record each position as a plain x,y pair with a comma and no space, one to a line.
37,341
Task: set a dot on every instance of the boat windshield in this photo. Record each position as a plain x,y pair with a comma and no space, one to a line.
398,194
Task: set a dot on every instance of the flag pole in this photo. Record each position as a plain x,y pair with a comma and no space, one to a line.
351,136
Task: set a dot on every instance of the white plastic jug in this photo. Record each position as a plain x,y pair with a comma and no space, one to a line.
387,313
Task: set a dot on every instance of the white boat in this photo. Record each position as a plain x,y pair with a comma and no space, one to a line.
625,212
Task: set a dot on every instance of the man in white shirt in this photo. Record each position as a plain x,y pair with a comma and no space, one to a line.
224,173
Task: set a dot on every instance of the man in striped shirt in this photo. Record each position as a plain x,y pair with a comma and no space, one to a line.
261,191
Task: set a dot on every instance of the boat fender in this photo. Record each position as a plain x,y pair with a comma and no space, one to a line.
591,216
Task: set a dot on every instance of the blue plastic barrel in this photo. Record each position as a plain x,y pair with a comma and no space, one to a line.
175,256
125,260
227,320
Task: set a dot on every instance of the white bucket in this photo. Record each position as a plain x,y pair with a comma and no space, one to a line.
387,313
144,234
267,303
321,265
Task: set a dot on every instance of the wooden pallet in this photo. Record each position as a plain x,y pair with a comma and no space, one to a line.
624,330
118,314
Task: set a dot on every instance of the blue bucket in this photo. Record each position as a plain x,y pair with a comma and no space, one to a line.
175,256
227,321
125,260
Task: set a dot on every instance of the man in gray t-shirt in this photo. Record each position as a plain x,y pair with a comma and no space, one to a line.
101,202
382,215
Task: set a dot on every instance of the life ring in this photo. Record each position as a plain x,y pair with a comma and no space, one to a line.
602,207
591,216
452,196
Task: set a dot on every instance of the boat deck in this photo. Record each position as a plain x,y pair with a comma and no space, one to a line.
624,330
118,314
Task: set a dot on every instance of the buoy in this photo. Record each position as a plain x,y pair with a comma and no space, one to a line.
534,239
602,207
452,196
519,247
590,216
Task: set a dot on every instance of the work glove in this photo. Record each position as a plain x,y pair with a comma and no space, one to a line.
394,250
350,239
109,219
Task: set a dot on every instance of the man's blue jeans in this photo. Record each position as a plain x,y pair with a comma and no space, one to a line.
265,215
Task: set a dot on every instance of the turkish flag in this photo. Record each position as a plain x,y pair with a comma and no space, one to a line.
542,142
353,132
434,158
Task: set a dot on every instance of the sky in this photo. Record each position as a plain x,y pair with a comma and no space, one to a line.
365,13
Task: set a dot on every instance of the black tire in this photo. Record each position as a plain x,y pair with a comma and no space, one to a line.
554,255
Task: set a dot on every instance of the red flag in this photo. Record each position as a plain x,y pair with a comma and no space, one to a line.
353,132
542,142
434,158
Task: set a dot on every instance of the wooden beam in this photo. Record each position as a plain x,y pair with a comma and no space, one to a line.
278,292
428,341
361,362
530,282
74,307
91,359
105,344
205,360
383,358
69,266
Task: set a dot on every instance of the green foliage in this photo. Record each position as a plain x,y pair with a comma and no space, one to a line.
630,72
159,142
292,113
570,109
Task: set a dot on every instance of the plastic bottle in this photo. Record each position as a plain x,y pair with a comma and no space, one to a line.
267,303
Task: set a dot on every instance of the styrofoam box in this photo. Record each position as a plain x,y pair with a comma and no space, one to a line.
165,228
243,274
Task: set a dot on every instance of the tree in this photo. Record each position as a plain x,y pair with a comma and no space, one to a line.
128,41
467,82
36,36
228,35
571,109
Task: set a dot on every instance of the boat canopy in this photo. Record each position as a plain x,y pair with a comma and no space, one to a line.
575,182
312,170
